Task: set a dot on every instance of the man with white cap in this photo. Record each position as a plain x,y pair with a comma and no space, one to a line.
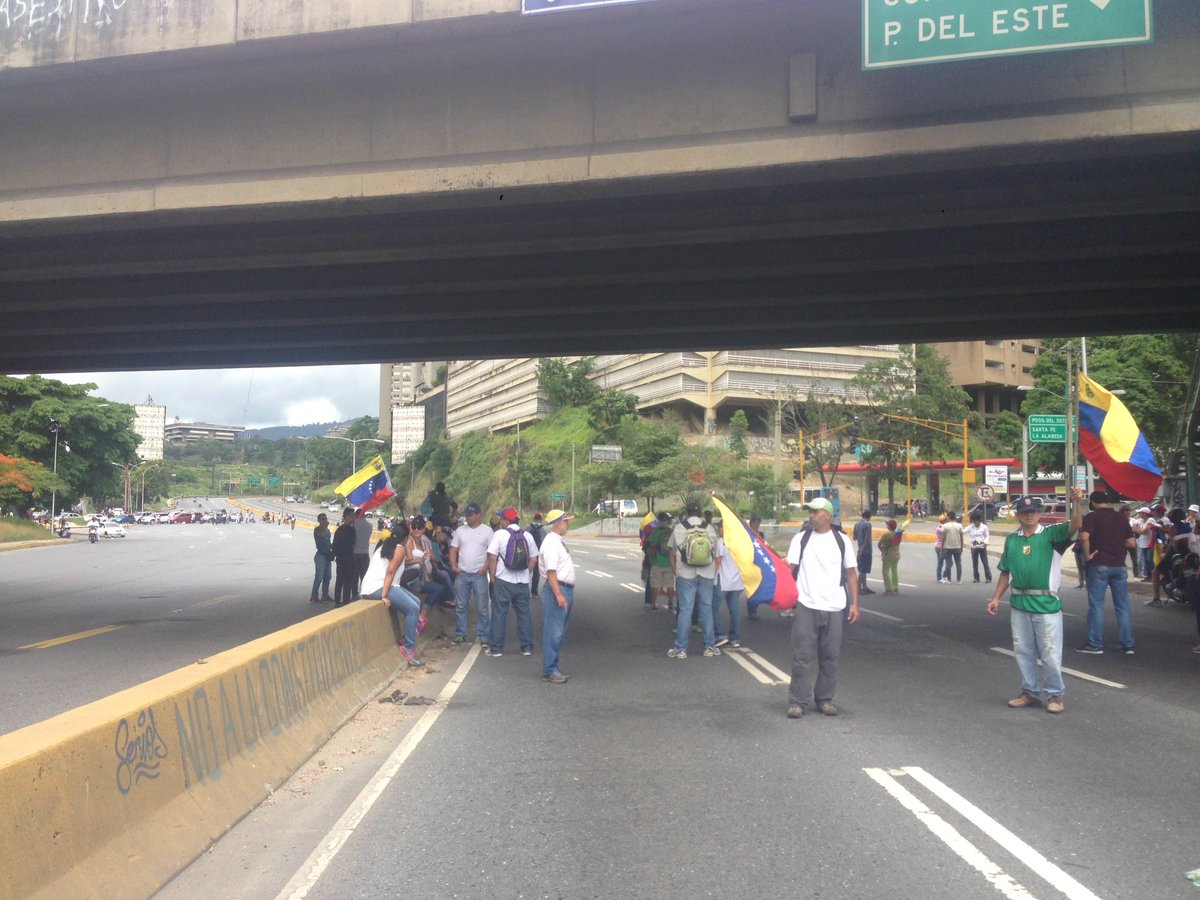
558,593
1032,564
825,566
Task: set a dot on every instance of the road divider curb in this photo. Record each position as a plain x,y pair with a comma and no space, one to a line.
114,798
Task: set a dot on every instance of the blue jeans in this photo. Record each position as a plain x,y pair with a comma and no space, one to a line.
465,584
516,595
404,603
1039,636
324,571
1147,555
1099,579
732,599
693,593
554,625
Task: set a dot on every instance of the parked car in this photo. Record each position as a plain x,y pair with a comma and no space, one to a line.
990,510
112,529
125,519
186,517
147,518
163,518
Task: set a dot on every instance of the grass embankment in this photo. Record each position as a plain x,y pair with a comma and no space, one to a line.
15,530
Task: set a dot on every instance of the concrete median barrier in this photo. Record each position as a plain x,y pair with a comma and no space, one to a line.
113,798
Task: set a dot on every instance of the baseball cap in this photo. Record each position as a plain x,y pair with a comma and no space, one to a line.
1029,504
510,514
1194,508
891,523
821,503
557,515
472,509
1143,510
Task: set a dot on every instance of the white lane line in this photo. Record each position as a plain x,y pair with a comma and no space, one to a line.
582,552
871,612
598,574
900,583
951,837
761,677
769,666
318,861
1044,869
621,557
1084,675
636,588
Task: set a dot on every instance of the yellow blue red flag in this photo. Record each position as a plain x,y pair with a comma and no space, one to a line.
369,487
767,578
1111,441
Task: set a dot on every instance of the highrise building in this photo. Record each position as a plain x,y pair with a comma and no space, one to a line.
150,422
400,384
991,371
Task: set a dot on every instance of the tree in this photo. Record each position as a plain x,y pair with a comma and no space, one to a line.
566,384
20,480
93,433
1002,435
739,427
608,408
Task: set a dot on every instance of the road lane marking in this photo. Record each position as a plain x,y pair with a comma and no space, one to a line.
621,557
636,588
215,601
68,638
951,837
597,574
318,861
769,666
762,677
871,612
1044,869
1084,675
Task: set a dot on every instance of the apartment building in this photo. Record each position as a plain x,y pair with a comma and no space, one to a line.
991,371
150,423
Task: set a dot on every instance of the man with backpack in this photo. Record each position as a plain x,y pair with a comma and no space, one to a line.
824,564
512,554
693,562
659,578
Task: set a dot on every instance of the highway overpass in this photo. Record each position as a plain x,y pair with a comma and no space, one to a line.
270,183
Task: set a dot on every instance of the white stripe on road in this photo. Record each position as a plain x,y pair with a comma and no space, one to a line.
1045,869
999,879
621,557
318,861
1084,675
900,583
871,612
769,666
597,574
759,676
636,588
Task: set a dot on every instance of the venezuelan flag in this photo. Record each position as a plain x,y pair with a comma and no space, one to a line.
1112,442
767,578
369,487
647,525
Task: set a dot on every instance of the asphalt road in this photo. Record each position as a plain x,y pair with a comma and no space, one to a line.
80,621
650,777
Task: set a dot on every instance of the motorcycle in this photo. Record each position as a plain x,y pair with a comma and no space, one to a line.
64,531
1183,578
93,534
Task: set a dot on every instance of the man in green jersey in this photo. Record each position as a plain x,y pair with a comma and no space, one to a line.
1032,564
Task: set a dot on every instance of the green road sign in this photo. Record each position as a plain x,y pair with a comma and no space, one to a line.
274,480
558,497
908,32
253,479
1047,429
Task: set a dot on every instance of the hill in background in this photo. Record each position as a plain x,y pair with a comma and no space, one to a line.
278,432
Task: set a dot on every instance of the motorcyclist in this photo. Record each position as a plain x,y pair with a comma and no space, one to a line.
93,531
1178,529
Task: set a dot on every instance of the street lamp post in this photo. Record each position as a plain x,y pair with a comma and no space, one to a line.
55,427
126,468
354,442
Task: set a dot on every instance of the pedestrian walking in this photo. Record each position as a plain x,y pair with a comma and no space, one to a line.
889,555
692,546
824,564
727,592
558,593
1032,565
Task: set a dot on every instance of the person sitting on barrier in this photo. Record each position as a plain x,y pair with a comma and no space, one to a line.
382,581
419,575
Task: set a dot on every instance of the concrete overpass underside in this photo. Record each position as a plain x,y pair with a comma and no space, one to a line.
731,182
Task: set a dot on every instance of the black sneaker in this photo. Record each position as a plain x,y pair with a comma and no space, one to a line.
1128,651
1090,648
795,712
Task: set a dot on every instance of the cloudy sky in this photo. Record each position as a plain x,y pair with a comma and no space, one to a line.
253,398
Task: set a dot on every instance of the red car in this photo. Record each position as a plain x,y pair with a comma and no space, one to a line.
185,518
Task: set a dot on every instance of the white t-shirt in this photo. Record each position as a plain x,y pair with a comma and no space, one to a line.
820,579
496,548
679,538
472,544
376,571
977,534
729,576
556,557
1144,540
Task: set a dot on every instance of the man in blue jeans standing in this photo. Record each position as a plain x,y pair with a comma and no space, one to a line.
1105,536
468,561
558,593
693,548
509,571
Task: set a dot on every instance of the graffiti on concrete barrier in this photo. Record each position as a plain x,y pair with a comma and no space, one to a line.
263,699
140,750
31,19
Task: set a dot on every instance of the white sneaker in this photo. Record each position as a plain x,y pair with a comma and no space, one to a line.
712,651
677,654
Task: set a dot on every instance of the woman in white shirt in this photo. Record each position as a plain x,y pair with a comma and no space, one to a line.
382,581
977,536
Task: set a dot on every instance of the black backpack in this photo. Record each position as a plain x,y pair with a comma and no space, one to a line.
841,542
